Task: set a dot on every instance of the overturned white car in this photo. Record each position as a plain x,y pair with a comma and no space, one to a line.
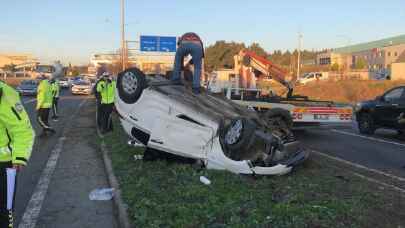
209,128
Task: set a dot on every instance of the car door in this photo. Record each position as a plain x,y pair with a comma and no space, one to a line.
388,107
401,109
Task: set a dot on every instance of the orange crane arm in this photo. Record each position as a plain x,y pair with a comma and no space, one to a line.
266,67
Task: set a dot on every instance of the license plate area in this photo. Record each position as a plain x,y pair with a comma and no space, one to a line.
321,116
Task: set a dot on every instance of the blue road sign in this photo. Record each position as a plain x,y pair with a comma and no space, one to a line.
149,43
167,44
158,43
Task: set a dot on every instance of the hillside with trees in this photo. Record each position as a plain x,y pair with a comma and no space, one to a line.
220,55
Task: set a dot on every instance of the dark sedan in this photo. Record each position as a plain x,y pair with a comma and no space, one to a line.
28,88
386,111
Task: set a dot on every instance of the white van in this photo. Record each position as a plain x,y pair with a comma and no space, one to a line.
313,76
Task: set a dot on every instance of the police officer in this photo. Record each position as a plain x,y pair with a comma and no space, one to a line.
106,90
44,104
55,98
189,44
16,141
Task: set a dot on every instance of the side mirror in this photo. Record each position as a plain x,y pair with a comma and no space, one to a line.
379,98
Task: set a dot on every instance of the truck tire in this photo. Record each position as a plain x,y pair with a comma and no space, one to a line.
130,84
280,120
366,124
238,134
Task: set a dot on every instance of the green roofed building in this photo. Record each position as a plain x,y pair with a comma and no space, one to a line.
376,55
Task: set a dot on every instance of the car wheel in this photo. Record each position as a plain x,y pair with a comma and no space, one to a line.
279,121
130,84
238,133
366,124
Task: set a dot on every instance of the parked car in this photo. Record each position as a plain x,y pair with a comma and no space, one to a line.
313,76
386,111
168,118
64,83
81,87
28,88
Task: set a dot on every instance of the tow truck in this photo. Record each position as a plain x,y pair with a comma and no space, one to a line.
281,113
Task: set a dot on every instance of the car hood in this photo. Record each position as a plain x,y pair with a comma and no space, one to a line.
81,87
27,87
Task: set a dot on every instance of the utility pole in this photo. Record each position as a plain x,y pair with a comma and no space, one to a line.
123,43
299,55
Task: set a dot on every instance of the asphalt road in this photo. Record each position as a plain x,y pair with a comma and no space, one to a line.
43,147
383,151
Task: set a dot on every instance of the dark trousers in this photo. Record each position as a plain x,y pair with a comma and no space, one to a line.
6,214
55,107
105,117
42,117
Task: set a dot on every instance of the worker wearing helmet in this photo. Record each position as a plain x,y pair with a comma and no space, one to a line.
106,89
16,141
55,98
44,104
189,44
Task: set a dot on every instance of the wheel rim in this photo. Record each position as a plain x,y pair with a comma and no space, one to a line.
365,123
234,133
129,83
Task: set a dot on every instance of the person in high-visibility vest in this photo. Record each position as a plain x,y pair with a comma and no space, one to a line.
55,98
106,89
16,141
44,104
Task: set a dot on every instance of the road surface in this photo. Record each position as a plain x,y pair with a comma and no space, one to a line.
384,151
78,170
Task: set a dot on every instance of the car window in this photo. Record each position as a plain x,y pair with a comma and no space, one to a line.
394,94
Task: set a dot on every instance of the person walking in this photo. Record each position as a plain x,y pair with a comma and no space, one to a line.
44,104
106,89
189,44
16,141
55,88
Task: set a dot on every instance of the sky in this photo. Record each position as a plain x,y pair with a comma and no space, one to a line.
71,30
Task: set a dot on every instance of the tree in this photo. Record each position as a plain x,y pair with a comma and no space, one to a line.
360,63
255,47
9,67
220,55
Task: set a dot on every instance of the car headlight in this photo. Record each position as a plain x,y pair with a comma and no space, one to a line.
358,107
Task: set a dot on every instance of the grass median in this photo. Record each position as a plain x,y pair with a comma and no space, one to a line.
167,194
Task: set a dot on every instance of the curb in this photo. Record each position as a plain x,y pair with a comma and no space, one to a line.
123,218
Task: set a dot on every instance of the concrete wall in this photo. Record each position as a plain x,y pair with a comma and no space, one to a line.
398,71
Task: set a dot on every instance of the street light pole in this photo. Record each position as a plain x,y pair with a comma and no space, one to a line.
123,44
299,55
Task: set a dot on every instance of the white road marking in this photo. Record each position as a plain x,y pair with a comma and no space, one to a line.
34,206
30,101
368,137
379,182
360,166
31,214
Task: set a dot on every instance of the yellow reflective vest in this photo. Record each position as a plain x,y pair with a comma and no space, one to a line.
107,91
16,132
55,88
44,95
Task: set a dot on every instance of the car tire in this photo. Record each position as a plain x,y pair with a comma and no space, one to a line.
130,84
238,133
279,120
366,124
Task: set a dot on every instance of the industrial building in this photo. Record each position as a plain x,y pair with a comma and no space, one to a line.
16,59
378,55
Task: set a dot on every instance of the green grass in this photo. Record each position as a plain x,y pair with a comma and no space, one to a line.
162,194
